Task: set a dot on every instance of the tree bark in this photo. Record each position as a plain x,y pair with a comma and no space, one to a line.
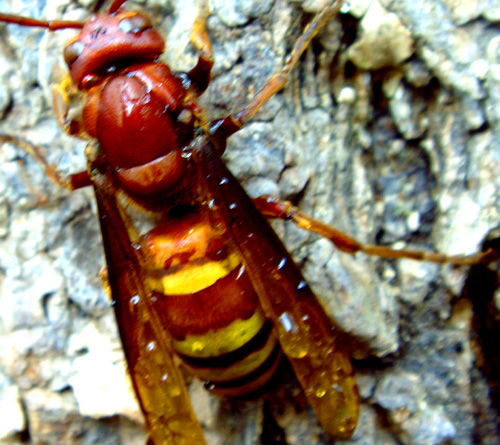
387,129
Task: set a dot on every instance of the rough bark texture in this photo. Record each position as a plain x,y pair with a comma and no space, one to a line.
388,129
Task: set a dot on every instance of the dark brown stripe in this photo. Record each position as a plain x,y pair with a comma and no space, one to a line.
250,377
224,361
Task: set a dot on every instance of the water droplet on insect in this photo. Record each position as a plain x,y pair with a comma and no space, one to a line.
164,377
285,321
337,388
302,284
295,350
151,346
209,386
223,181
282,263
198,346
233,206
135,299
320,392
175,391
288,322
241,272
345,8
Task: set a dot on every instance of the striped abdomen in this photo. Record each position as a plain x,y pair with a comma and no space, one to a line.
205,300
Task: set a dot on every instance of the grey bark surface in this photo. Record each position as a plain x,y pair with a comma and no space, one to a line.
388,130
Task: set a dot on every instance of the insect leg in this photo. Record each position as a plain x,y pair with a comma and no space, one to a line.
278,81
199,35
200,74
224,128
272,208
69,119
72,182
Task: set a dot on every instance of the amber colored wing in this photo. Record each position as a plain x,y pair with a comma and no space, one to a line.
305,333
158,382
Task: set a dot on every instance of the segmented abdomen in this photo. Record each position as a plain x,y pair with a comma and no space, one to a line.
204,298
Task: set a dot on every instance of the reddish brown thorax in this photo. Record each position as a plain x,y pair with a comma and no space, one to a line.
133,100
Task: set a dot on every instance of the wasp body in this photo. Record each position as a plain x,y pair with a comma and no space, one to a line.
176,262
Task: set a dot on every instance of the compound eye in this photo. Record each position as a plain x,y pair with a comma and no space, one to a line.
73,51
134,23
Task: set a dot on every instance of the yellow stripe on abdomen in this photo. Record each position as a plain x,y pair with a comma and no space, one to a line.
237,370
223,340
194,277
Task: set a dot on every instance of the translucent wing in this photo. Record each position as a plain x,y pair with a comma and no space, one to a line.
305,333
158,382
